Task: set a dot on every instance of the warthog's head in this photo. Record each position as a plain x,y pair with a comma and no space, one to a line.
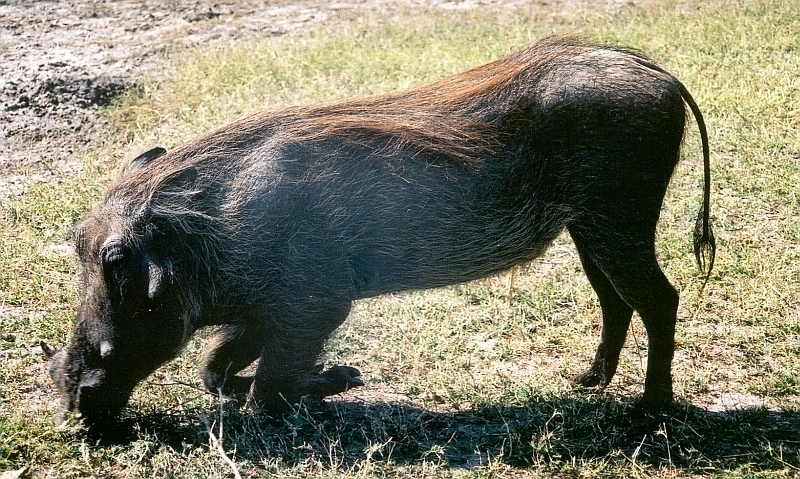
132,317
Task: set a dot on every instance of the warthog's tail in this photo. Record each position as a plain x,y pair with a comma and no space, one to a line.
705,246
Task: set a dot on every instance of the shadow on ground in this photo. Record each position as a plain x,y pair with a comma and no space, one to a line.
545,432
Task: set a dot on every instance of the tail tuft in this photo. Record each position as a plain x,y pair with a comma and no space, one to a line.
705,245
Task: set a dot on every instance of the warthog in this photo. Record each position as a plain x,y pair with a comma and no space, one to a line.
270,227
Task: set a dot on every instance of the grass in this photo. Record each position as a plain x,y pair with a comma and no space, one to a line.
470,380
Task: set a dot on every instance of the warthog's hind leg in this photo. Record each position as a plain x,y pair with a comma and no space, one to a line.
616,319
620,261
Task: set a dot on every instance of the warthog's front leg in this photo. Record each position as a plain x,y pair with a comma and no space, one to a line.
288,369
233,348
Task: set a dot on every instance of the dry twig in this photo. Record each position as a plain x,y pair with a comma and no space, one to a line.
216,442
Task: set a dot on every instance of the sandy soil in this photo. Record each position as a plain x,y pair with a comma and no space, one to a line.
62,59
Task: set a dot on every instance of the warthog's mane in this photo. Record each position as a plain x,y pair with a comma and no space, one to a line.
462,118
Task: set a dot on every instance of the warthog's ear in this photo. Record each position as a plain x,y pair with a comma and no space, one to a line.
144,159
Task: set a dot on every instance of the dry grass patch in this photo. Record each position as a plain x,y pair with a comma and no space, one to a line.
471,380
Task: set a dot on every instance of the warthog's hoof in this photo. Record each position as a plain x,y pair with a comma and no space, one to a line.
335,380
653,404
590,379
